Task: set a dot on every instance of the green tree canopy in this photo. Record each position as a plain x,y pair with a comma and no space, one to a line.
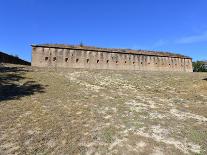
200,66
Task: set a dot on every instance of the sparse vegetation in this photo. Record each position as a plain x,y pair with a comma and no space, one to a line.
82,111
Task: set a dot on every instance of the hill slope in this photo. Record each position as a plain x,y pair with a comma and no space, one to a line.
107,112
6,58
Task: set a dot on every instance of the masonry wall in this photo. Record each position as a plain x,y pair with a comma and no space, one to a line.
54,57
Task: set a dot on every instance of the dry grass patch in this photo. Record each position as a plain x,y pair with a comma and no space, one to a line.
103,112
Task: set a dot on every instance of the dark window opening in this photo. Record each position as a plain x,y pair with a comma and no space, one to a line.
77,60
66,59
97,61
133,62
156,63
54,58
116,62
46,58
141,62
125,62
169,64
107,61
87,60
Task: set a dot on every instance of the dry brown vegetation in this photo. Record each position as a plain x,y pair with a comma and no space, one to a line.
68,111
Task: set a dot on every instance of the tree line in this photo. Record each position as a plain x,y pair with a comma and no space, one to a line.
200,66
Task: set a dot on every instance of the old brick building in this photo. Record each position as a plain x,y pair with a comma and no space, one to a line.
58,55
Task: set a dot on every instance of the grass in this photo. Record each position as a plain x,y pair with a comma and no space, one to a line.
77,111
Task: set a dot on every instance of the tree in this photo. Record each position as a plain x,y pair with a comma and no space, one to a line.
81,44
200,66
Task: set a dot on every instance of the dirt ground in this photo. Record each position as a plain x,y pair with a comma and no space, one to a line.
76,111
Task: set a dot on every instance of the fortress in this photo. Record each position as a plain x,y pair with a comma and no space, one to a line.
68,56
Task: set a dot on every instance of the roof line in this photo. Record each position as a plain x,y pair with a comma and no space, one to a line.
113,50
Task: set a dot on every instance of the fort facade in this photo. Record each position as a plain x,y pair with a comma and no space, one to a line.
68,56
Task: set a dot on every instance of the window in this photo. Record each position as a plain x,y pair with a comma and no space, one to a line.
87,60
46,58
133,62
77,60
97,61
116,62
125,62
107,61
66,59
54,58
141,62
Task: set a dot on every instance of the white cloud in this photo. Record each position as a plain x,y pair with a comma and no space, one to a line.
193,39
167,42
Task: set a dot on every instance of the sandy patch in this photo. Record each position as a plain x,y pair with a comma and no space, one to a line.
159,134
187,115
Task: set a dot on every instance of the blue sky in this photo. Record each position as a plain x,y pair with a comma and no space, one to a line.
178,26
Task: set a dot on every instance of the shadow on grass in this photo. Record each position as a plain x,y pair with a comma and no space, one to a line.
4,69
205,79
14,85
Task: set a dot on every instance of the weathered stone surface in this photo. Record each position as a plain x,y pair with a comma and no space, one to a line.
66,56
